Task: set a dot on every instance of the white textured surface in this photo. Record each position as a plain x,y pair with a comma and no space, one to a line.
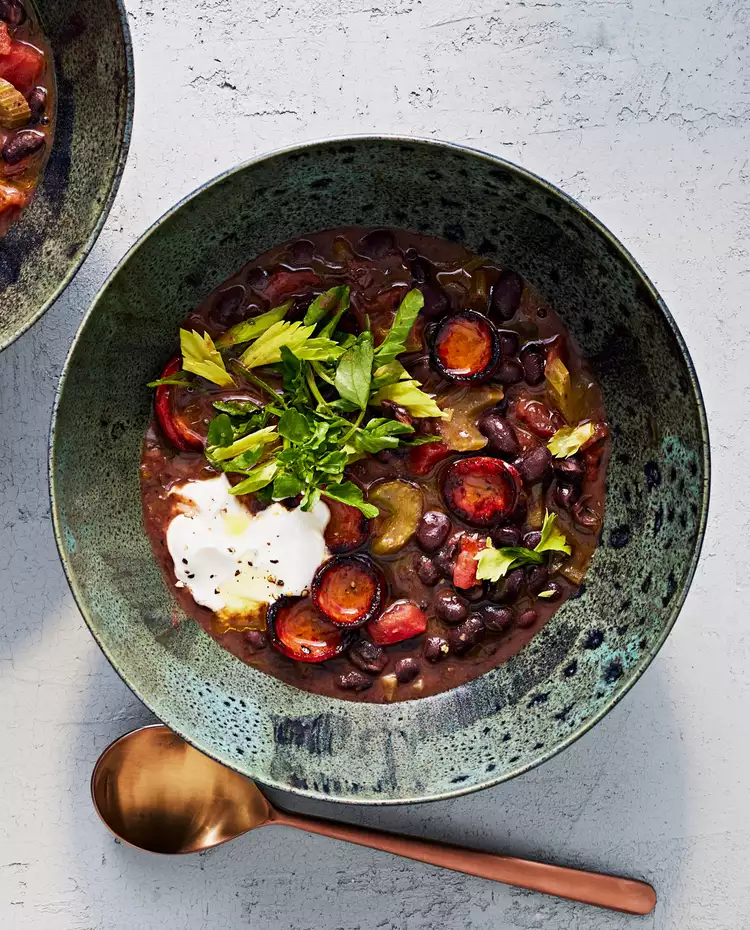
640,108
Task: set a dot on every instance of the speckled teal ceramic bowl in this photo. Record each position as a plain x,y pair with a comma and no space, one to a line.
594,648
94,72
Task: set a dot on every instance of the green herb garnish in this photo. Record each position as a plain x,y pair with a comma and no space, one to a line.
354,372
322,418
395,341
200,355
494,564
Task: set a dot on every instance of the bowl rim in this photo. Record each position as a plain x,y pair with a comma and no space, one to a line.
114,185
598,227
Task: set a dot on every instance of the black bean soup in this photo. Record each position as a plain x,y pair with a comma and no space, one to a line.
26,107
519,455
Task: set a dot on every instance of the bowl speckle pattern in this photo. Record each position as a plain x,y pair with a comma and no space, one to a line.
592,650
94,71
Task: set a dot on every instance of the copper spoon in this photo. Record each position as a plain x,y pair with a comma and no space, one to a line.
157,793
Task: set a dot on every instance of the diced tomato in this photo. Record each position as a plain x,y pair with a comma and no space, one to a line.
286,283
5,40
22,66
402,620
173,427
422,459
465,571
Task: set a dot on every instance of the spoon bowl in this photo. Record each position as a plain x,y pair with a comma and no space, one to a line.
155,792
159,794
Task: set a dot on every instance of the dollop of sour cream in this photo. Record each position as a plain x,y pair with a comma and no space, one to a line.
232,561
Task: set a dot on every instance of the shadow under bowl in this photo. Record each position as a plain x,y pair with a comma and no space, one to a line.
42,252
594,648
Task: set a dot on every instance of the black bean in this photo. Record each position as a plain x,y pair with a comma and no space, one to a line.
427,572
302,251
468,634
37,101
508,342
552,591
532,360
507,534
445,558
12,12
496,619
368,657
532,539
26,142
527,618
436,301
450,607
534,464
406,670
500,434
257,278
508,588
509,371
586,516
228,306
354,681
474,593
571,470
433,530
436,649
256,640
537,577
420,269
397,412
565,496
506,296
378,243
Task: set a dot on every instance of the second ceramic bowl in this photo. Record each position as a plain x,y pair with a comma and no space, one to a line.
94,72
594,648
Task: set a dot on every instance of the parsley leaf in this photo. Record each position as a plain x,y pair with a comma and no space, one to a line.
354,372
200,355
552,539
252,328
294,426
287,485
494,564
395,342
349,493
220,432
569,439
380,433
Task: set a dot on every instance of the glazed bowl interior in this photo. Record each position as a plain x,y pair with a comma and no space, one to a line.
594,647
94,76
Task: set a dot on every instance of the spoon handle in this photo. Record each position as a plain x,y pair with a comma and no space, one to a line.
618,894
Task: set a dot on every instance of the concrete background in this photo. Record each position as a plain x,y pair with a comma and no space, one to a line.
641,109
